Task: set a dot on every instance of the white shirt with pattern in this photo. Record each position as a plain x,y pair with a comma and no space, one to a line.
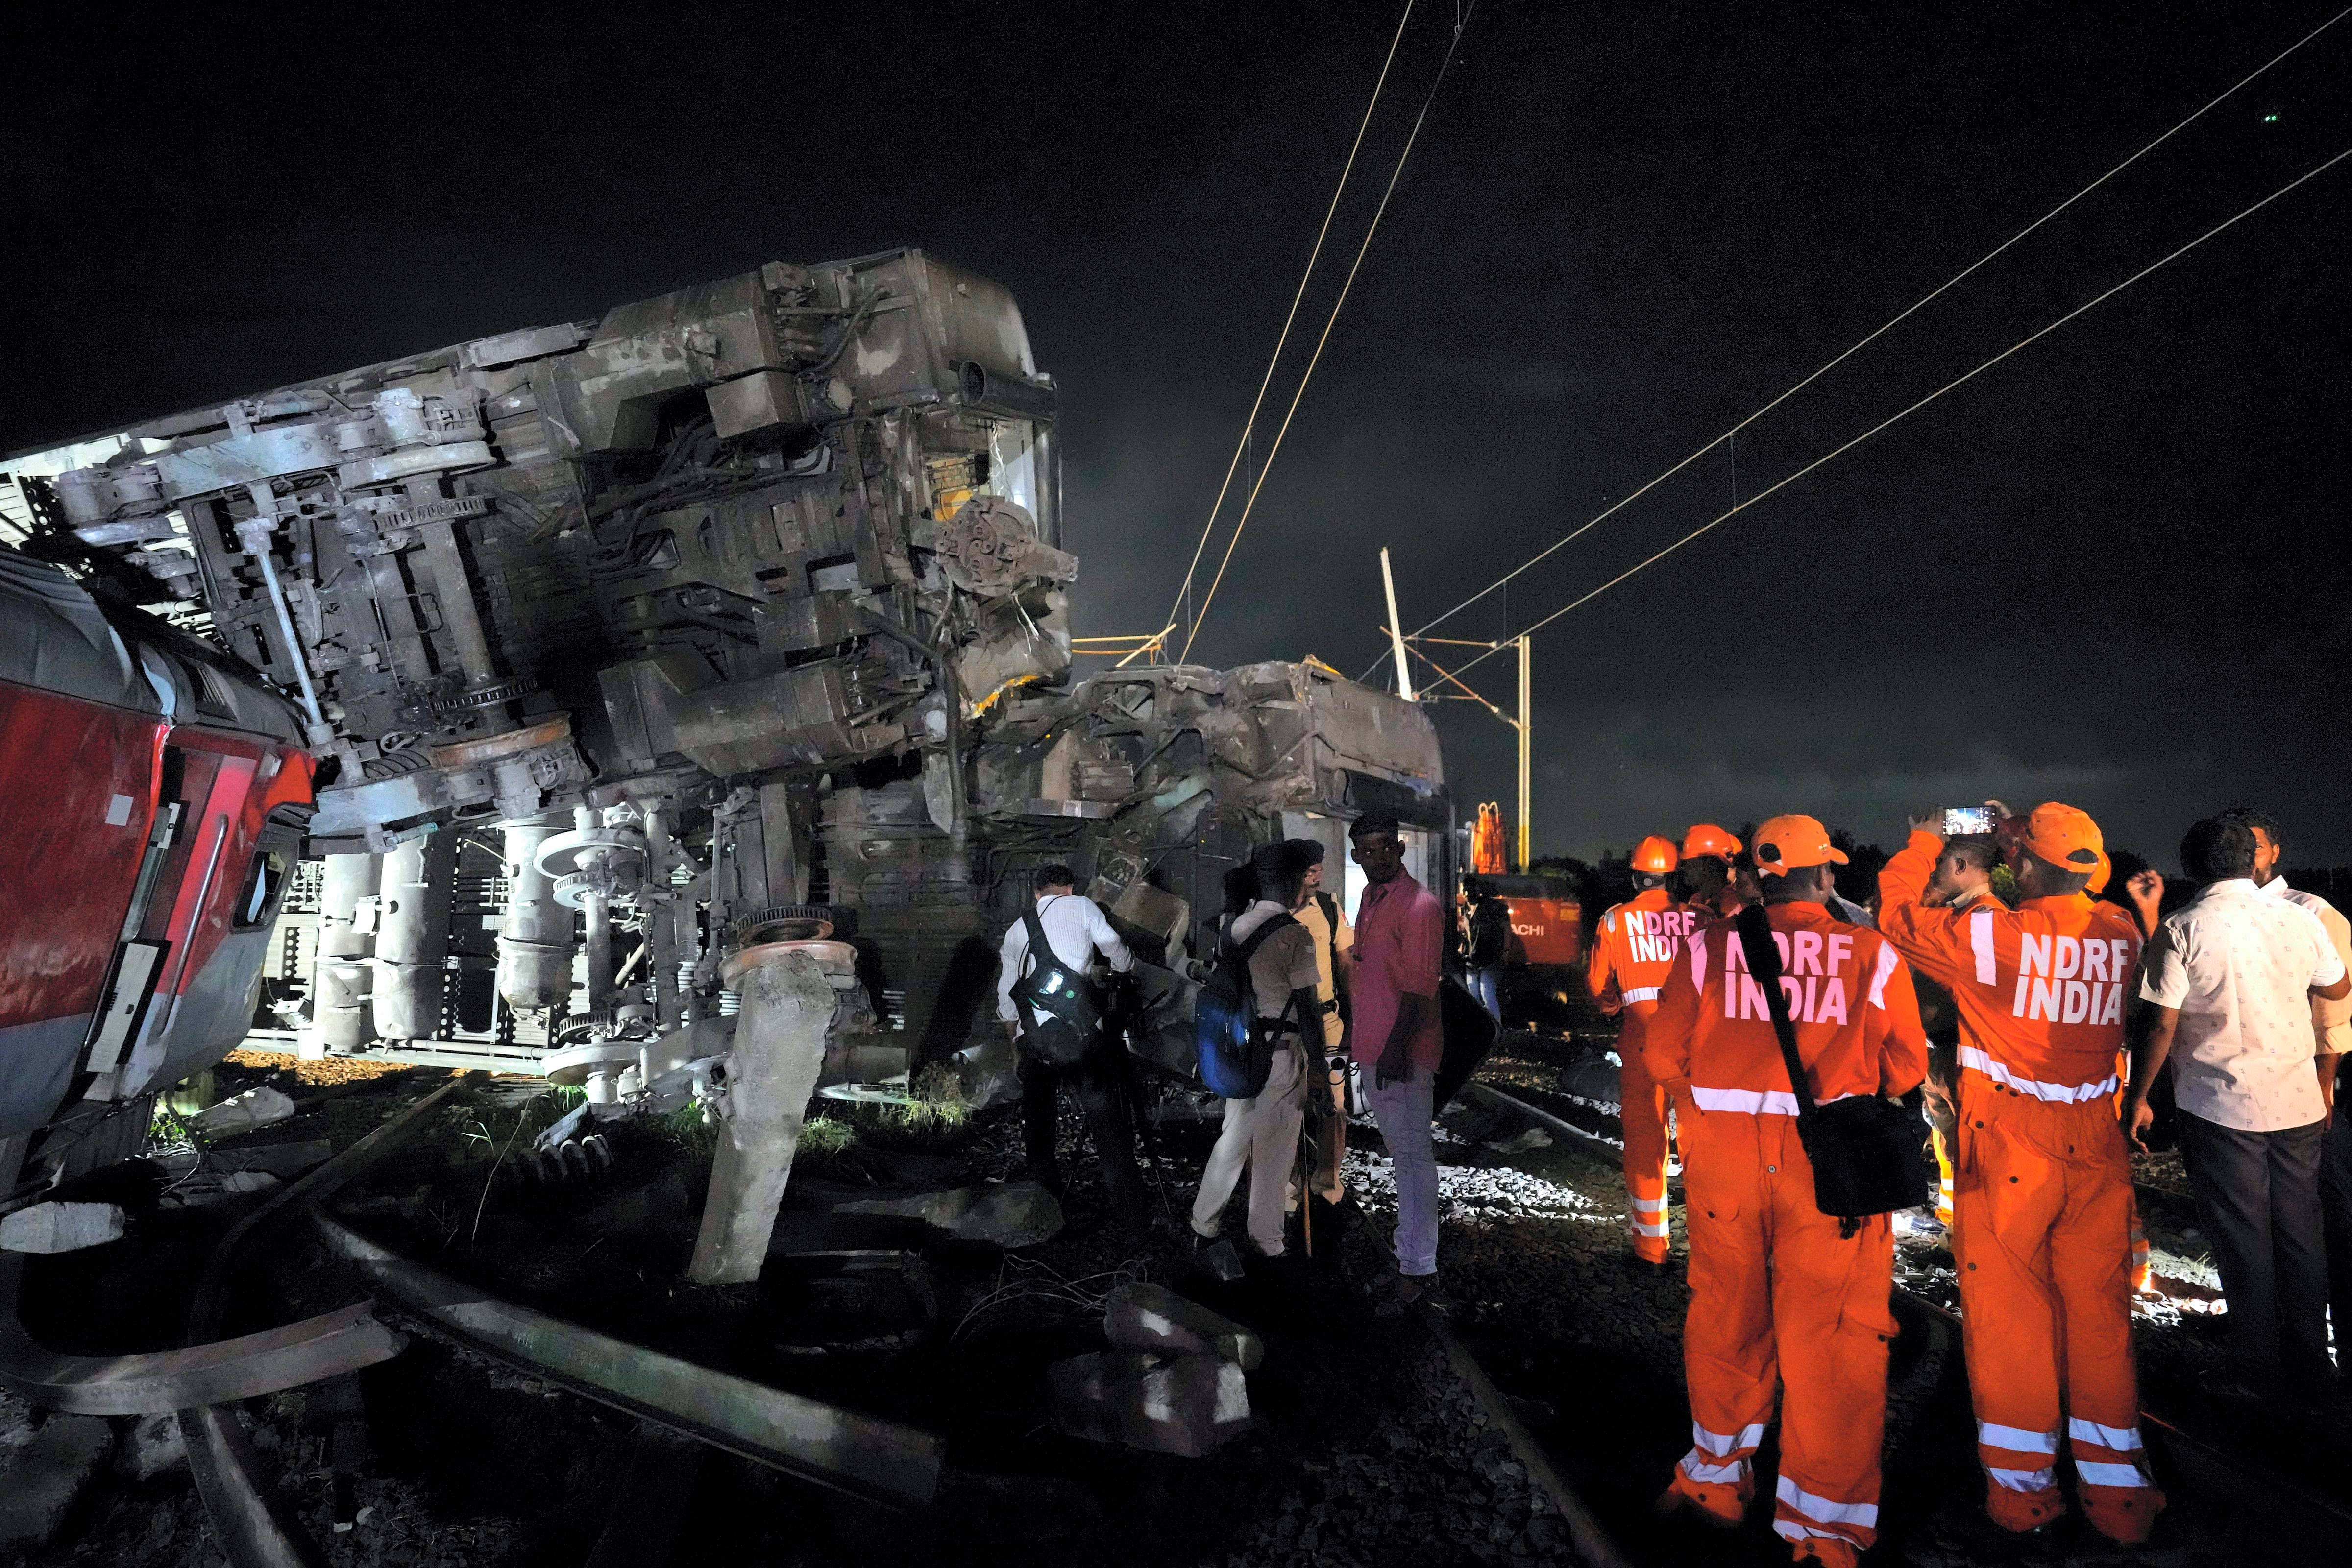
2239,965
2330,1021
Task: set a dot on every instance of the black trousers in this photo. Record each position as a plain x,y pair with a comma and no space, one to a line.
2258,1200
2335,1197
1099,1082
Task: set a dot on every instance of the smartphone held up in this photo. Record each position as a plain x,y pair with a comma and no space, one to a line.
1965,821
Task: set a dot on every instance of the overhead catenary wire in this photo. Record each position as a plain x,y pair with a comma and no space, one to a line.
1452,48
1179,609
1891,323
1836,452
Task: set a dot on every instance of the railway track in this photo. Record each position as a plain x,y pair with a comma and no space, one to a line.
1620,1420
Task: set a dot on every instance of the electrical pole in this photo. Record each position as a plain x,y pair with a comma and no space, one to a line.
1527,747
1396,632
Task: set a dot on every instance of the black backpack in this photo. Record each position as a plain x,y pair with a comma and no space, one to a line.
1235,1045
1061,1012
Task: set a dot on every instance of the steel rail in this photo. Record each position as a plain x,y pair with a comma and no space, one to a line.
155,1382
1591,1542
258,1527
845,1451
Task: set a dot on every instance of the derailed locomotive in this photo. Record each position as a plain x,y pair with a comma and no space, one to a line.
736,617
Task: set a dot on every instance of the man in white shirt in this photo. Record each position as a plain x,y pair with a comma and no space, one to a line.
1075,930
2331,1026
2229,981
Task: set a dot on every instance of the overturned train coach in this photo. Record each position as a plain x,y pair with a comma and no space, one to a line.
733,620
151,802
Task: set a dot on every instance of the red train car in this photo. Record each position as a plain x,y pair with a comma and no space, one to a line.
152,795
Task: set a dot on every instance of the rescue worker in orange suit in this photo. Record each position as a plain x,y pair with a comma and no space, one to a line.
1961,876
1782,1295
2042,1200
1705,881
2143,1270
1636,943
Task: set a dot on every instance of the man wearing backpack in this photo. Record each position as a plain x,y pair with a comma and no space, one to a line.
1053,1010
1261,1132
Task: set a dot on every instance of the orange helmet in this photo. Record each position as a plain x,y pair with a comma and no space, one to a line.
1706,839
1654,855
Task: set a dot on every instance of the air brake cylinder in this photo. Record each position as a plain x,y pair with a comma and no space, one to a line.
345,979
412,937
535,939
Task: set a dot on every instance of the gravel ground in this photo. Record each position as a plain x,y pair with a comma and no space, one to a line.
1366,1448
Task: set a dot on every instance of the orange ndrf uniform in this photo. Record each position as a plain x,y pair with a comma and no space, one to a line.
1780,1300
1635,946
2042,1200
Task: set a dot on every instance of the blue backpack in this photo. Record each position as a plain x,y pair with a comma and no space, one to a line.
1235,1045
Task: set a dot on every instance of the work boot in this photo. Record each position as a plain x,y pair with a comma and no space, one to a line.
2019,1512
1711,1503
2126,1515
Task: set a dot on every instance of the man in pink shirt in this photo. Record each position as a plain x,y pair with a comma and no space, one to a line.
1394,1036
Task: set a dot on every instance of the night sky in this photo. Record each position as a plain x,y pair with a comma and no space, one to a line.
2111,570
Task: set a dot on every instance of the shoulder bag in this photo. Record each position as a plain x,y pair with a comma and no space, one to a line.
1864,1149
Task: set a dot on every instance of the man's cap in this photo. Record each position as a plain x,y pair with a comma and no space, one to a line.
2099,878
1655,855
1793,842
2065,837
1706,839
1280,861
1364,827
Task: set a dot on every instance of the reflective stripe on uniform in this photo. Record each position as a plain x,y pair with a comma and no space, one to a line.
1640,1228
1643,994
1720,1444
1980,940
1698,1469
1821,1511
1754,1102
1889,960
2122,1439
2016,1440
2096,1474
2059,1094
2024,1480
1650,1205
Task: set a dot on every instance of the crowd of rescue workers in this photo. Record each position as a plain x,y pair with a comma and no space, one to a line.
1994,986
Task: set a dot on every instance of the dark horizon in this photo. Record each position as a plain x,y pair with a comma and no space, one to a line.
2111,570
